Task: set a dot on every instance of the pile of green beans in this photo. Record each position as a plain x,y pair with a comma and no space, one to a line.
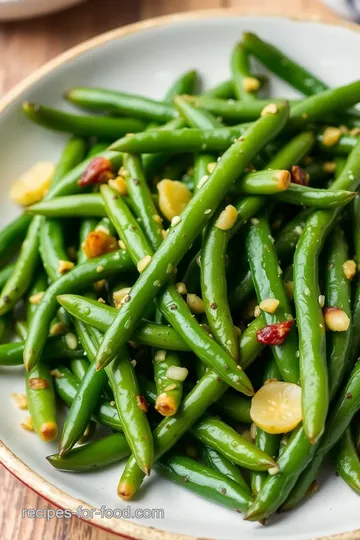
213,260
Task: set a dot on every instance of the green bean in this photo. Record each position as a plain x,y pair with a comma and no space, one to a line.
201,167
196,117
267,442
41,402
5,273
79,367
94,455
11,237
283,66
266,274
170,302
268,182
343,147
101,316
318,107
355,319
356,425
81,276
96,149
295,456
193,219
288,236
180,140
214,288
230,110
130,406
39,286
245,85
318,198
82,205
52,243
105,127
347,461
52,247
234,406
337,294
184,84
11,354
169,390
293,151
225,440
25,267
142,200
204,481
343,410
312,109
310,321
224,90
241,291
153,162
86,398
219,463
100,99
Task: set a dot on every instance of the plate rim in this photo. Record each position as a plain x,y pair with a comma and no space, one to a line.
12,463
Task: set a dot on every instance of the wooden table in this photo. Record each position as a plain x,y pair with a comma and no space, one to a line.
24,47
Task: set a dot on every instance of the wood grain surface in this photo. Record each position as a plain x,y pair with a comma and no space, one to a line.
24,47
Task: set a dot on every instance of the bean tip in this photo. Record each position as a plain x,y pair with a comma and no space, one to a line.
48,431
124,491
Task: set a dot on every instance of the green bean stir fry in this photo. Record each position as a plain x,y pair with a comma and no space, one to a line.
187,275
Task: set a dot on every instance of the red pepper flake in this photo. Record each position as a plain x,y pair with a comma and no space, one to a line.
299,176
98,171
142,403
274,334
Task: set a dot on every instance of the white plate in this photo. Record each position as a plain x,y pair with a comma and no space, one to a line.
23,9
145,58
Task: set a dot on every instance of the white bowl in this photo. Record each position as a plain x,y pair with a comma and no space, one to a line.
23,9
145,58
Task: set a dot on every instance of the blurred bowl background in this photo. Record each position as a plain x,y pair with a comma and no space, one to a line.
23,9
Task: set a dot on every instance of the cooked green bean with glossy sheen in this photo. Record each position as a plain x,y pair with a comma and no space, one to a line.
338,295
283,66
348,461
268,283
105,127
310,320
41,402
220,463
81,205
100,99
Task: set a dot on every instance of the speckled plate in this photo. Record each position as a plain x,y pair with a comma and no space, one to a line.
145,58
